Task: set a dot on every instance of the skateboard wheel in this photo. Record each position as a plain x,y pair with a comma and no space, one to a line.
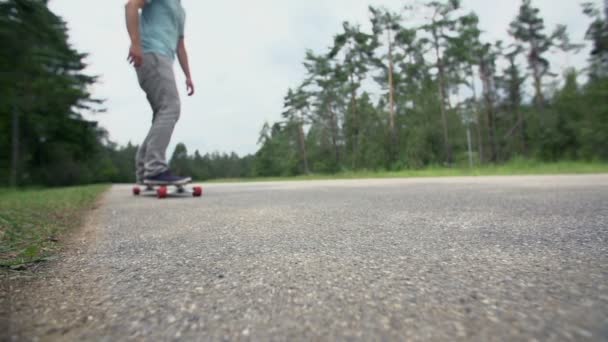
136,191
197,191
162,192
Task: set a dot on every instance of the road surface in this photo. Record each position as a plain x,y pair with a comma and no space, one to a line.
489,258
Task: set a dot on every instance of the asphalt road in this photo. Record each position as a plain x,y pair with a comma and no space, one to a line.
496,258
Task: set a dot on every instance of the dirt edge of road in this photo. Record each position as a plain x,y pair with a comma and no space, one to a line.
28,295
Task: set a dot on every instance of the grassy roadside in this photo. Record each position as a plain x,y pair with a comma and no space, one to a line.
518,167
33,222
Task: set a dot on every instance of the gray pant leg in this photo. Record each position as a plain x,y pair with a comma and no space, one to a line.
140,161
156,78
140,156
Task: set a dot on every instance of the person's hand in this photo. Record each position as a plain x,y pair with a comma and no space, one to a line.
190,86
136,56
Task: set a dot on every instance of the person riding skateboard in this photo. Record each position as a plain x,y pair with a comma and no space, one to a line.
157,35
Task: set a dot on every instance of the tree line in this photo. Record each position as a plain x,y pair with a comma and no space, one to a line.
406,94
447,96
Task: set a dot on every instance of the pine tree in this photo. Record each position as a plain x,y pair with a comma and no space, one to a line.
512,83
355,49
325,87
386,22
528,28
465,51
487,73
276,157
417,100
598,35
45,88
180,161
297,106
440,28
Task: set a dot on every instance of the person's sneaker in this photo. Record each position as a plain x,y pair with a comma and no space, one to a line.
166,178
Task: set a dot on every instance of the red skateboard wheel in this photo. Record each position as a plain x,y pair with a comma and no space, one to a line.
162,192
197,191
136,191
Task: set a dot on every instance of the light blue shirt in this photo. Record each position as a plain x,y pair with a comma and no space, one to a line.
162,25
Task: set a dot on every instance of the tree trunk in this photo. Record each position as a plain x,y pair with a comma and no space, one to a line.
539,98
469,147
13,181
355,138
480,138
444,119
334,130
515,96
522,130
478,117
488,91
442,97
492,132
391,93
334,135
302,140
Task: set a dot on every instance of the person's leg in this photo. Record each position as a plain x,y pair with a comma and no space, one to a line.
166,98
145,76
158,81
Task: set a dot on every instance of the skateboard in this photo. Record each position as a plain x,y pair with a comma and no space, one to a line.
162,191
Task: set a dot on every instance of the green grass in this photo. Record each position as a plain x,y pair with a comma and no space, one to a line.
516,167
34,222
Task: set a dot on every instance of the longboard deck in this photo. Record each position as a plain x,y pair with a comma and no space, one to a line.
168,190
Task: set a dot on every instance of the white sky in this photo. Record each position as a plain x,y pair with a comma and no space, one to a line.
244,55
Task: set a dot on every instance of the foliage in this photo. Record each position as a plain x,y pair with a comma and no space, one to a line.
32,221
44,89
430,104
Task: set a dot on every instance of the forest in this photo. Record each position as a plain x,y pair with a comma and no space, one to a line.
408,94
447,97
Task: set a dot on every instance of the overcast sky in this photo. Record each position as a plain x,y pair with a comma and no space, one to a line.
244,55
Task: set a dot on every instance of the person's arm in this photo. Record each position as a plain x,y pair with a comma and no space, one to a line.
182,56
132,17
